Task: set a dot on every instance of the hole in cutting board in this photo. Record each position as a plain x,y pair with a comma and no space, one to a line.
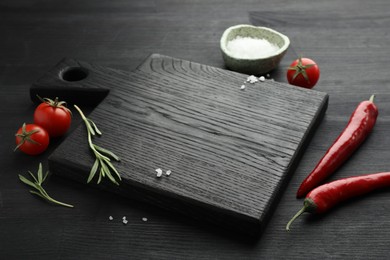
74,74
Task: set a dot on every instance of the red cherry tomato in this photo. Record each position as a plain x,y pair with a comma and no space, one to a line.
303,72
32,139
54,116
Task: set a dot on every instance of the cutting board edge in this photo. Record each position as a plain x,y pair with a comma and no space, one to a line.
283,183
242,225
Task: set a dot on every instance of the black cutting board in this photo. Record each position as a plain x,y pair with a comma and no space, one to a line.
231,151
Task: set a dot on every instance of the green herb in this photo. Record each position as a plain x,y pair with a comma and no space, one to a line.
37,185
102,163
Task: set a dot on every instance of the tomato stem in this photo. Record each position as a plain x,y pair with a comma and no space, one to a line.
26,136
301,69
55,103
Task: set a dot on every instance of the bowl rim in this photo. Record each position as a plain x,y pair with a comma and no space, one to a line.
228,30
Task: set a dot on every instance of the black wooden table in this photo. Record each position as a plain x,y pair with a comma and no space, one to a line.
350,41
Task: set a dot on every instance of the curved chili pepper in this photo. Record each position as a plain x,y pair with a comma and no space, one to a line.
359,126
326,196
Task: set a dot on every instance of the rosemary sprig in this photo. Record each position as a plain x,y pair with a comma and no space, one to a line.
37,185
102,162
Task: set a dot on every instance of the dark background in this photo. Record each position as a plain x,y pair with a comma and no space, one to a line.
349,40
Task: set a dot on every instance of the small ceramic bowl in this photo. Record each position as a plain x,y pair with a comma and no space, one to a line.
259,65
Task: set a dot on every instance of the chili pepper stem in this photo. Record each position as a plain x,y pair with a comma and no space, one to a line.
299,213
308,206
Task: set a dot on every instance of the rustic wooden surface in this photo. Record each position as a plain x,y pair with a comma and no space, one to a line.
231,151
349,40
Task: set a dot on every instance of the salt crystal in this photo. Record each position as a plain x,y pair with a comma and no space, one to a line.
268,75
144,219
110,218
262,78
125,221
124,218
167,173
159,172
252,79
250,48
242,87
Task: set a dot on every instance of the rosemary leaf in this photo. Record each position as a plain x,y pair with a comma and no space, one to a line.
101,175
107,172
32,175
89,127
113,168
94,126
104,166
40,176
44,177
26,181
102,171
37,193
99,155
99,179
93,170
111,177
107,152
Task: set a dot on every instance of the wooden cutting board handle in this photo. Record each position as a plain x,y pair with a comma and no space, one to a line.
74,81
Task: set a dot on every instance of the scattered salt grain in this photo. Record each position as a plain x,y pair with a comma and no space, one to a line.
167,173
268,75
250,48
262,78
125,221
124,218
110,218
252,79
159,172
144,219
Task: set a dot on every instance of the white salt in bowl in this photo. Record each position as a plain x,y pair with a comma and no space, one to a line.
253,50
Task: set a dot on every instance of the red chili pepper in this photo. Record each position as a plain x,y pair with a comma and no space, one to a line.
359,126
326,196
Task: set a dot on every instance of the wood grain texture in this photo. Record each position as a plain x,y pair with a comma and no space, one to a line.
230,151
349,40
